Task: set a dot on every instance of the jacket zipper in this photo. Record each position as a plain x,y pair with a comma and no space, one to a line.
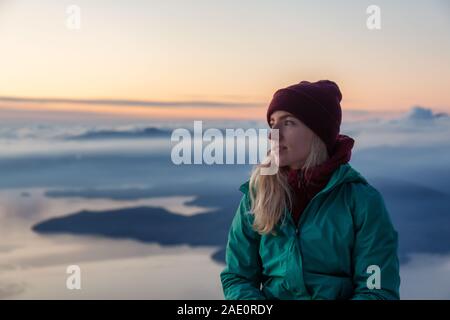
302,216
297,226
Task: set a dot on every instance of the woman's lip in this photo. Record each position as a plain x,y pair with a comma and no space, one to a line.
279,149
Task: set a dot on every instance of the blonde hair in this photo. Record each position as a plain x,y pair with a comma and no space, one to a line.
271,194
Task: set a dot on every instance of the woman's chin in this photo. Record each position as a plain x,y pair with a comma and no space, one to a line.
285,163
281,162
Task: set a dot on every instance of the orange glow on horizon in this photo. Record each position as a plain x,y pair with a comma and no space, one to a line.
238,113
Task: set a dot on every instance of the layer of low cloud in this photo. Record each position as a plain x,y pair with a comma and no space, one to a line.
131,103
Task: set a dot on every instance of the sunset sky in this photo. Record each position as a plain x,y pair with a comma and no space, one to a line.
203,58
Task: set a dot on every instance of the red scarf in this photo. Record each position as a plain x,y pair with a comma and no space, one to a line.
305,187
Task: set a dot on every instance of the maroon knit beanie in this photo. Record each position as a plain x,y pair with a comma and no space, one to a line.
316,104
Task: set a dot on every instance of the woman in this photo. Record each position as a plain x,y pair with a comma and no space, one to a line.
316,229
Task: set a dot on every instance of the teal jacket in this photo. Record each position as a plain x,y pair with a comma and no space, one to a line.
344,232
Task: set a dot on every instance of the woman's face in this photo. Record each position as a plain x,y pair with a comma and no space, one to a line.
294,140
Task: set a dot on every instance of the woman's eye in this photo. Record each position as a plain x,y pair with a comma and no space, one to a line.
289,122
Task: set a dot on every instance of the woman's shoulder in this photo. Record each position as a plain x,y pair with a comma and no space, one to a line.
364,190
245,202
359,186
367,203
245,187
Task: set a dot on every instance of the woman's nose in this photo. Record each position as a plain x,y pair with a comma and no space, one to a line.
274,134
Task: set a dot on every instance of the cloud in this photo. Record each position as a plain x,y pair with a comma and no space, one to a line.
425,276
419,127
149,132
418,113
130,103
8,290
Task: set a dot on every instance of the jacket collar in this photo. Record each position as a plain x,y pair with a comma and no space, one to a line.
345,173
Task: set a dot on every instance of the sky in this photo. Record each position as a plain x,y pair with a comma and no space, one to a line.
218,59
